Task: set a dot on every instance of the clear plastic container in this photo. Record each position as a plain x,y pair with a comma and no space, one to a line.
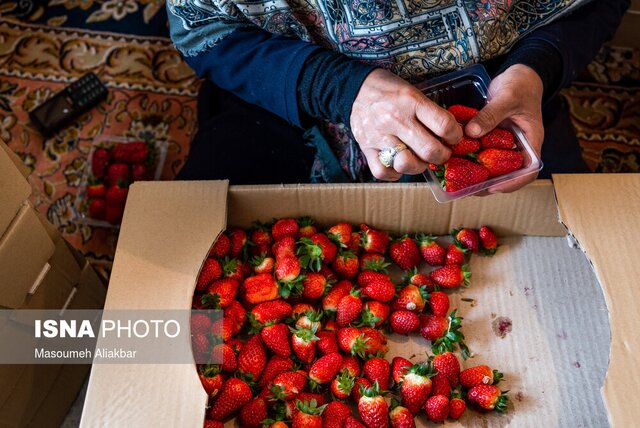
80,206
470,87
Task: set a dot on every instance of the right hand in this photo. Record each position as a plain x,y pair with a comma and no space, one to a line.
387,111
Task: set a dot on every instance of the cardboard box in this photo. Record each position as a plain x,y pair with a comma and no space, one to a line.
628,33
161,250
15,189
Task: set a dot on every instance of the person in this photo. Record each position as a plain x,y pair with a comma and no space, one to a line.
315,90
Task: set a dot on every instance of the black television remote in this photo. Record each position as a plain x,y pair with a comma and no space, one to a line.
66,105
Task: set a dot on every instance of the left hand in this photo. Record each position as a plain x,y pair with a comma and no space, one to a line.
515,94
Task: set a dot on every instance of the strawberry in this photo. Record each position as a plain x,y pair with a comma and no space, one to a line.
479,375
463,114
260,234
451,276
437,408
328,273
252,357
98,209
287,385
118,172
351,364
443,333
418,279
309,415
459,173
232,268
310,319
303,343
273,311
354,243
404,252
359,384
262,264
300,309
457,406
439,303
447,364
139,172
100,162
307,229
200,347
373,409
330,325
285,227
238,238
377,370
260,288
399,368
340,234
416,386
352,341
134,152
234,394
287,268
500,162
465,146
208,423
316,250
253,413
373,241
404,322
237,314
275,366
367,276
284,247
221,247
489,397
401,417
223,291
431,252
224,355
374,262
488,241
211,379
314,286
200,323
468,238
324,369
498,139
276,338
335,414
222,327
455,254
440,385
381,289
374,314
209,272
327,342
98,190
352,422
410,298
346,265
376,341
115,200
349,308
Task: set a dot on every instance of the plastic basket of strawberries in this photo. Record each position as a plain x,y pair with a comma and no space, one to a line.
476,164
115,163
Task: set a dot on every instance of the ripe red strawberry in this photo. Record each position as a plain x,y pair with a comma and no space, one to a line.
479,375
330,325
260,234
97,190
287,268
333,297
325,368
373,409
459,173
500,162
211,379
311,320
340,234
468,238
260,288
276,338
224,355
352,422
223,291
416,386
410,298
465,146
439,303
373,261
275,366
354,243
285,227
335,414
309,415
377,370
349,308
307,229
488,241
273,311
117,173
440,385
367,276
300,309
252,357
418,279
200,323
351,365
263,264
134,152
443,333
100,162
404,322
374,241
404,252
327,342
316,250
376,341
237,314
358,386
451,276
401,417
284,247
98,209
346,265
314,286
208,423
374,314
498,139
381,289
253,413
286,386
463,114
115,200
303,343
233,268
352,341
200,347
437,408
489,397
457,406
221,247
238,238
222,327
448,365
234,395
431,252
140,172
455,254
399,368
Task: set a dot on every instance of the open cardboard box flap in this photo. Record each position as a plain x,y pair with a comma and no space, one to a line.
165,238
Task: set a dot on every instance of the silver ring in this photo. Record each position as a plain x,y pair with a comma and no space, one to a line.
388,154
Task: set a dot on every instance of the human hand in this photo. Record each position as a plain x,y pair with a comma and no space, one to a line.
388,111
515,94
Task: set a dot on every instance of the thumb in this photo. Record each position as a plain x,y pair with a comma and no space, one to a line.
487,119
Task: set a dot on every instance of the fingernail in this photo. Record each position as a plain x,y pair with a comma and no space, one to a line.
474,129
